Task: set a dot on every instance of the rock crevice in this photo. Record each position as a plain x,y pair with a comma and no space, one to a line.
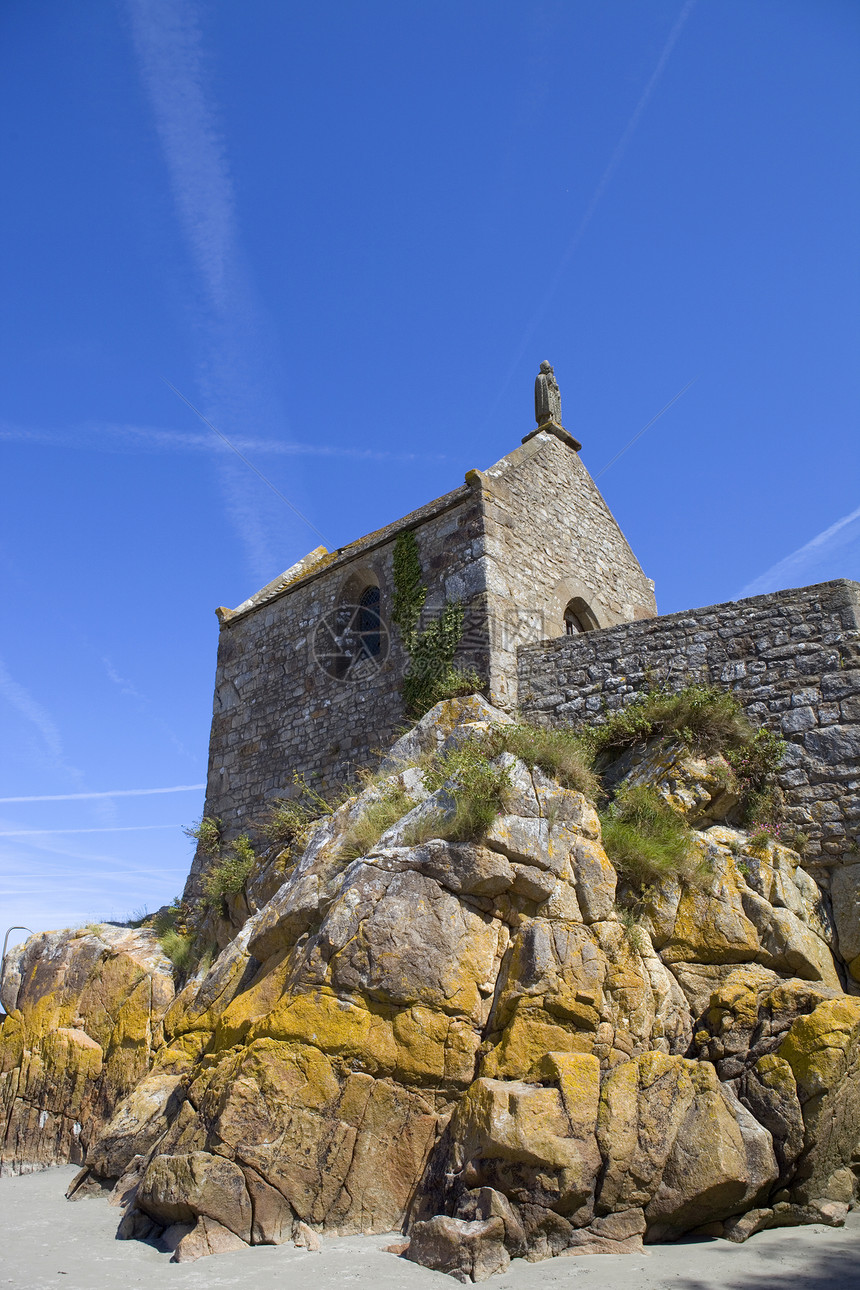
469,1040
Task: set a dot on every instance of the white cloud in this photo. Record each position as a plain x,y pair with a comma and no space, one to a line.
119,792
40,720
167,42
112,437
833,553
117,828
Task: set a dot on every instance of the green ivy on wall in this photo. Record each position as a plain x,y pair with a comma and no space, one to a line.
409,591
431,675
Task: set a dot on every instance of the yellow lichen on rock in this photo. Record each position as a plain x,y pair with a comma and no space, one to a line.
819,1047
529,1035
338,1027
471,1033
711,925
84,1025
578,1078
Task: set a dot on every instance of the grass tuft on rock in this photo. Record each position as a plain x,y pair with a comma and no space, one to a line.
562,754
754,765
706,720
171,917
228,877
759,842
704,717
423,689
634,932
207,833
645,839
287,823
178,946
477,784
363,835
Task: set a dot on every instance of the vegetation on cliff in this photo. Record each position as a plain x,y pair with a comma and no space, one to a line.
228,875
468,1004
431,675
645,839
393,802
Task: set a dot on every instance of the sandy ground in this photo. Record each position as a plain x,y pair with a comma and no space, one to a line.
47,1241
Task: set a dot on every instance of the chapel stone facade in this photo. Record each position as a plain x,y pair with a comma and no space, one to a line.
310,668
559,622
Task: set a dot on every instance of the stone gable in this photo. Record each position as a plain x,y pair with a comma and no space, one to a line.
513,544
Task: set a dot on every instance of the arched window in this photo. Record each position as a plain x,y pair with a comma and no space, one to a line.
351,639
368,622
578,617
572,623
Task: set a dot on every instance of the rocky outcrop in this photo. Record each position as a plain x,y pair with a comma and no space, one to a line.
472,1040
83,1026
845,892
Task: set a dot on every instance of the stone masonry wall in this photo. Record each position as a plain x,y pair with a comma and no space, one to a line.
276,711
551,537
513,545
793,659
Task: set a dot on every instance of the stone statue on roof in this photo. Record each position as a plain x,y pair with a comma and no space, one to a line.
547,396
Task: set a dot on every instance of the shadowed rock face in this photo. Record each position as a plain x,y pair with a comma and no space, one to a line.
461,1039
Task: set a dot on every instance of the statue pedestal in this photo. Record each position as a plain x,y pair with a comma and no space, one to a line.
553,427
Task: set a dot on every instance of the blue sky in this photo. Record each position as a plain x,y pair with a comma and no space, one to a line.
349,233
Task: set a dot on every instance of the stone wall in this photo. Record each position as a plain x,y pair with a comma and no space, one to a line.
550,538
793,659
277,711
512,544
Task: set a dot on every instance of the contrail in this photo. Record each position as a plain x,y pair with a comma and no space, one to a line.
168,42
603,183
118,438
168,45
125,828
242,457
21,699
645,427
119,792
779,574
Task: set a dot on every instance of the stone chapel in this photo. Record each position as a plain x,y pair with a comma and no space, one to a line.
309,669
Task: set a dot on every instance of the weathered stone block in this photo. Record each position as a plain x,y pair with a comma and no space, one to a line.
468,1252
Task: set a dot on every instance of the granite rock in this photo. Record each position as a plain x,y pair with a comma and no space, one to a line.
464,1039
